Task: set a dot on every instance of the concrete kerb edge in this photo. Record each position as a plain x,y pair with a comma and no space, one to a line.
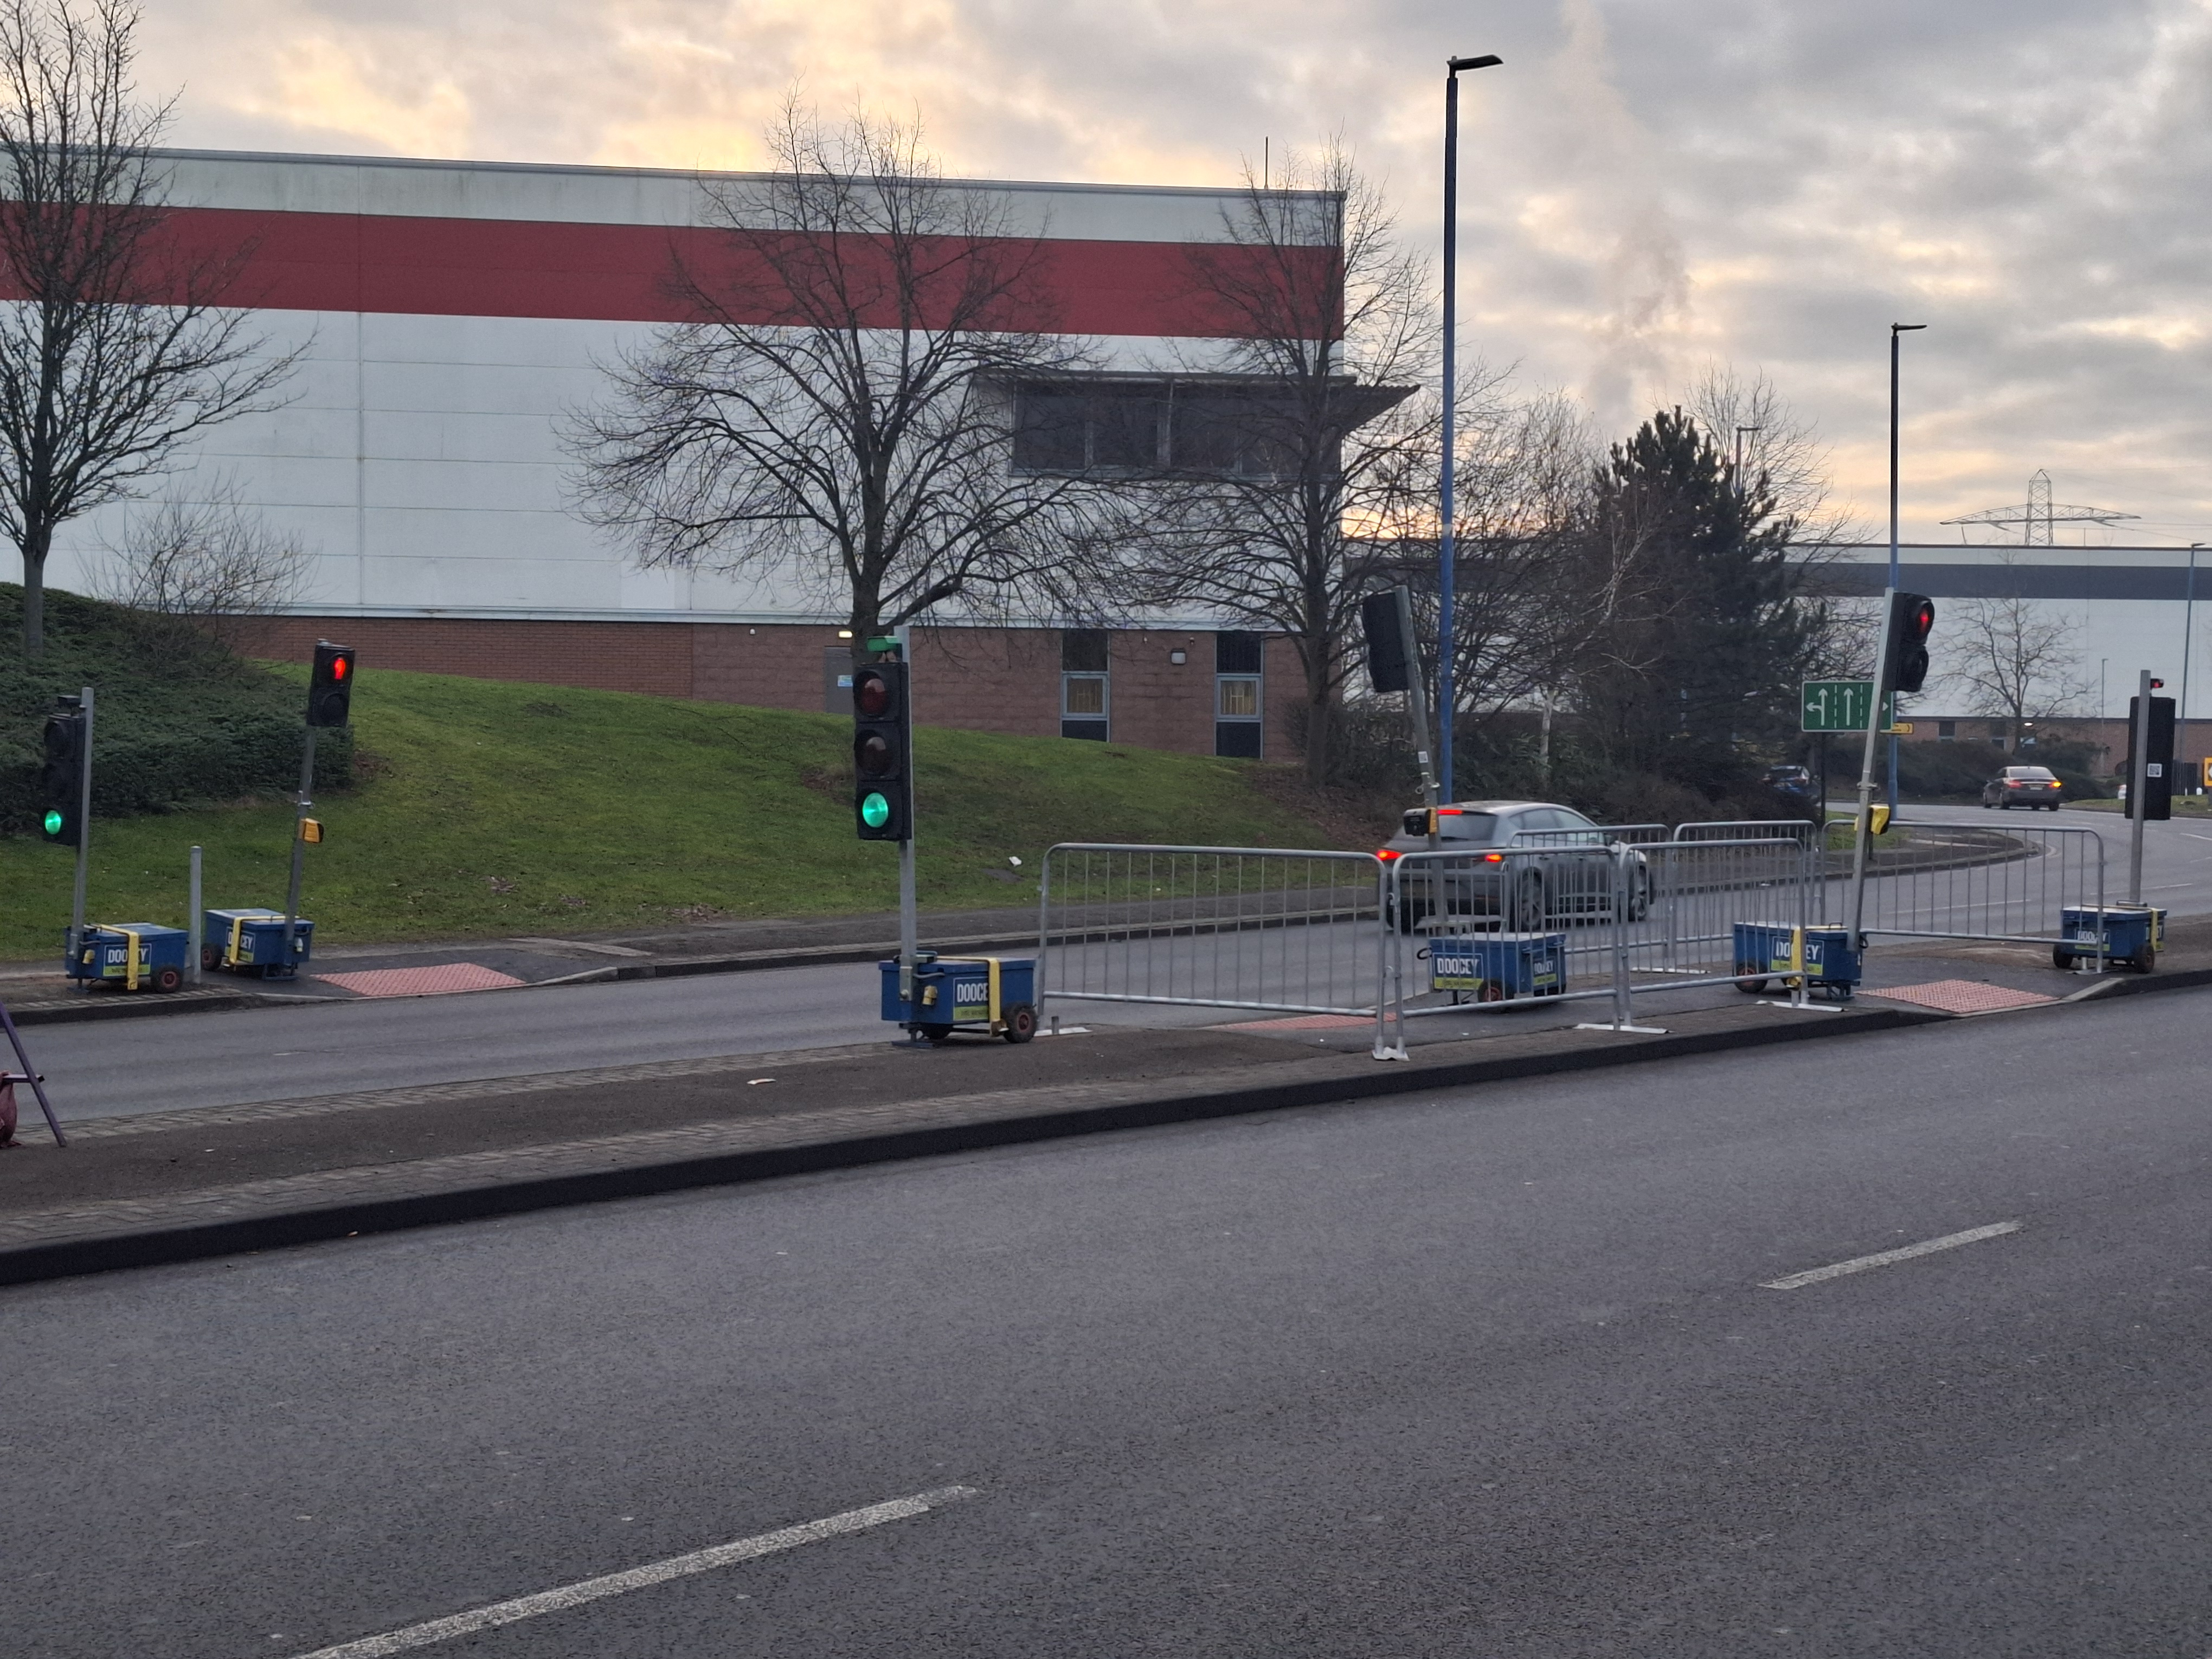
32,1263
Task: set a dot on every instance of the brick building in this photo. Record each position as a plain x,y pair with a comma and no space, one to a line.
449,317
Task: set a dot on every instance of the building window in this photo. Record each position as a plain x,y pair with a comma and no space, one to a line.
1237,697
1946,730
1108,429
1085,702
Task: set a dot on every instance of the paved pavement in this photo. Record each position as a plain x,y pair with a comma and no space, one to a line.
1487,1372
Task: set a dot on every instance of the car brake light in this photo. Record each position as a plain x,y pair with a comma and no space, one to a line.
1387,854
1493,857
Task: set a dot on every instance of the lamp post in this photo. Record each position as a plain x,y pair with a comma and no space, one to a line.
1739,431
2188,634
1444,552
1895,329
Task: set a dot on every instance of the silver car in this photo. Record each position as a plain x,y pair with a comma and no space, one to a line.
1526,862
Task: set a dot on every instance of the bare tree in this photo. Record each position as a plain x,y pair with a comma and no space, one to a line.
842,414
1768,445
117,349
1298,481
214,562
2017,660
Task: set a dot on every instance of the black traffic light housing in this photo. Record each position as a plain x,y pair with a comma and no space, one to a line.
1390,653
2157,803
330,687
61,776
883,746
1905,651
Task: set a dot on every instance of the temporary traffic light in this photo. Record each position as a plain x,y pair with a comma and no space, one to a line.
1389,658
329,688
882,742
1904,652
61,778
2157,802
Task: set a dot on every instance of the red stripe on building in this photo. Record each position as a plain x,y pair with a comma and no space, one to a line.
622,273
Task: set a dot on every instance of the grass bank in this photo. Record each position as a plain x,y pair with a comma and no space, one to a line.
482,808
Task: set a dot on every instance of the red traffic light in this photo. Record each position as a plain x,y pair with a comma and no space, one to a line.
872,694
2157,684
339,667
1919,619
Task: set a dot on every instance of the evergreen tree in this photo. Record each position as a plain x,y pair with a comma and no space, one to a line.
1697,672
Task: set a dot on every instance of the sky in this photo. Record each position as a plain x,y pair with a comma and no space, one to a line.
1648,187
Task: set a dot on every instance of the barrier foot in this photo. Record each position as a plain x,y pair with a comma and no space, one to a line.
1398,1053
1802,1007
1610,1025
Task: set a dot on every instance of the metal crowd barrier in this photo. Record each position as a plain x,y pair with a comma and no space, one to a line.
1702,886
1977,881
1245,928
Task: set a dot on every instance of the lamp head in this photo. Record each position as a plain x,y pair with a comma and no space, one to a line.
1488,60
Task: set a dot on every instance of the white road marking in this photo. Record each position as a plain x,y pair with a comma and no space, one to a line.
1859,1264
656,1572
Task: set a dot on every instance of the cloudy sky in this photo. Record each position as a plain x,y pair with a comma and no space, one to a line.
1648,186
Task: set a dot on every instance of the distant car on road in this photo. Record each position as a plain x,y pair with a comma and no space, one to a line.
2022,786
1794,791
1524,892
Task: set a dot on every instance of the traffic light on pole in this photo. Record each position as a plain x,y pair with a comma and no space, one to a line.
2157,804
882,744
330,687
61,778
1904,654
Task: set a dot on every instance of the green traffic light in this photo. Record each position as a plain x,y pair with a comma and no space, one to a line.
53,821
875,811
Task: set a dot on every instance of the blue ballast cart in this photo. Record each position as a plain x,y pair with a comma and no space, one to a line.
138,956
1499,967
1823,957
2133,933
252,942
994,996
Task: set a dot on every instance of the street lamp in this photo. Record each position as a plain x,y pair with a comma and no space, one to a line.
1444,552
2188,634
1739,431
1895,329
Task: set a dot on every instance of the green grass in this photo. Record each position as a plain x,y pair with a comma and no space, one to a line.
485,808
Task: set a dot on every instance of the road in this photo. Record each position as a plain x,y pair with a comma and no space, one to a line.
203,1060
1488,1373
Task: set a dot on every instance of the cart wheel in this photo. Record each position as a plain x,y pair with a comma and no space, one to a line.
2060,959
168,979
2143,960
939,1036
1750,984
210,958
1491,990
1021,1022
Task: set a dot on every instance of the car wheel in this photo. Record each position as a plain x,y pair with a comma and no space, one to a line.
1529,905
1639,897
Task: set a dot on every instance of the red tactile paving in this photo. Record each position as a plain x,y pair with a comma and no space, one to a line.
420,981
1959,996
1302,1022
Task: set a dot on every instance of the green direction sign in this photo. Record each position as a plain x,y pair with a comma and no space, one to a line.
1841,705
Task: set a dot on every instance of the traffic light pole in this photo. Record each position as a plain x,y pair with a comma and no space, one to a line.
83,835
2138,787
299,844
1862,831
1417,698
909,928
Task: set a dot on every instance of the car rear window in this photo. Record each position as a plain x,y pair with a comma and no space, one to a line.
1454,826
2029,772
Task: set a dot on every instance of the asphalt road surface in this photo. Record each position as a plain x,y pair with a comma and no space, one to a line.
1491,1373
203,1060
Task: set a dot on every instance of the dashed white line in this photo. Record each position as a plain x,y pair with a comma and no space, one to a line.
1859,1264
656,1572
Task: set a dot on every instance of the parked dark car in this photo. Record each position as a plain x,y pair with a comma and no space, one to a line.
1525,862
2022,786
1795,793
